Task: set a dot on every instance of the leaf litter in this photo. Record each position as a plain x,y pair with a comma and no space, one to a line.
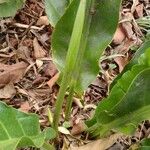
28,77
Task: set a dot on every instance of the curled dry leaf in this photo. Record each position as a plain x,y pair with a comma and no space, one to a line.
119,35
63,130
78,128
101,144
39,63
24,53
12,73
121,61
43,20
50,69
7,91
139,10
53,80
39,52
25,107
135,3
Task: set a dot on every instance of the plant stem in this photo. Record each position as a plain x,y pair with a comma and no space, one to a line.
71,58
69,101
77,68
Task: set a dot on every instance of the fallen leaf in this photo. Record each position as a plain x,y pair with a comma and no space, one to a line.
24,53
43,20
127,26
25,107
121,61
101,144
119,35
50,69
8,91
63,130
139,10
11,73
77,101
135,3
78,128
39,63
53,80
39,52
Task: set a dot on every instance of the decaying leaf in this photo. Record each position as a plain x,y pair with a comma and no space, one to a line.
50,69
121,61
101,144
63,130
78,128
119,35
39,52
139,10
25,107
11,73
53,80
7,91
43,20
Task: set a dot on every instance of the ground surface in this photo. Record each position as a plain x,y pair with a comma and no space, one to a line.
28,76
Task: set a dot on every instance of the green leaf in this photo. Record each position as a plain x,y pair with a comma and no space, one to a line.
73,51
9,7
18,129
133,61
55,9
145,144
128,102
99,35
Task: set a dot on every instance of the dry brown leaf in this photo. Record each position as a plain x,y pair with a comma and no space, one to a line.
50,69
25,107
39,52
101,144
135,3
53,80
24,53
43,20
139,10
8,91
127,26
63,130
39,63
121,61
119,35
78,128
11,73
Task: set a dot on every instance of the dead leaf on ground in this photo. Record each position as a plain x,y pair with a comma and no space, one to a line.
12,73
121,61
50,69
7,91
24,53
139,10
119,35
43,20
53,80
78,128
25,107
101,144
39,52
135,3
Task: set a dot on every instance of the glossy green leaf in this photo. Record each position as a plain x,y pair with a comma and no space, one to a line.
128,102
18,129
9,7
99,35
55,9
